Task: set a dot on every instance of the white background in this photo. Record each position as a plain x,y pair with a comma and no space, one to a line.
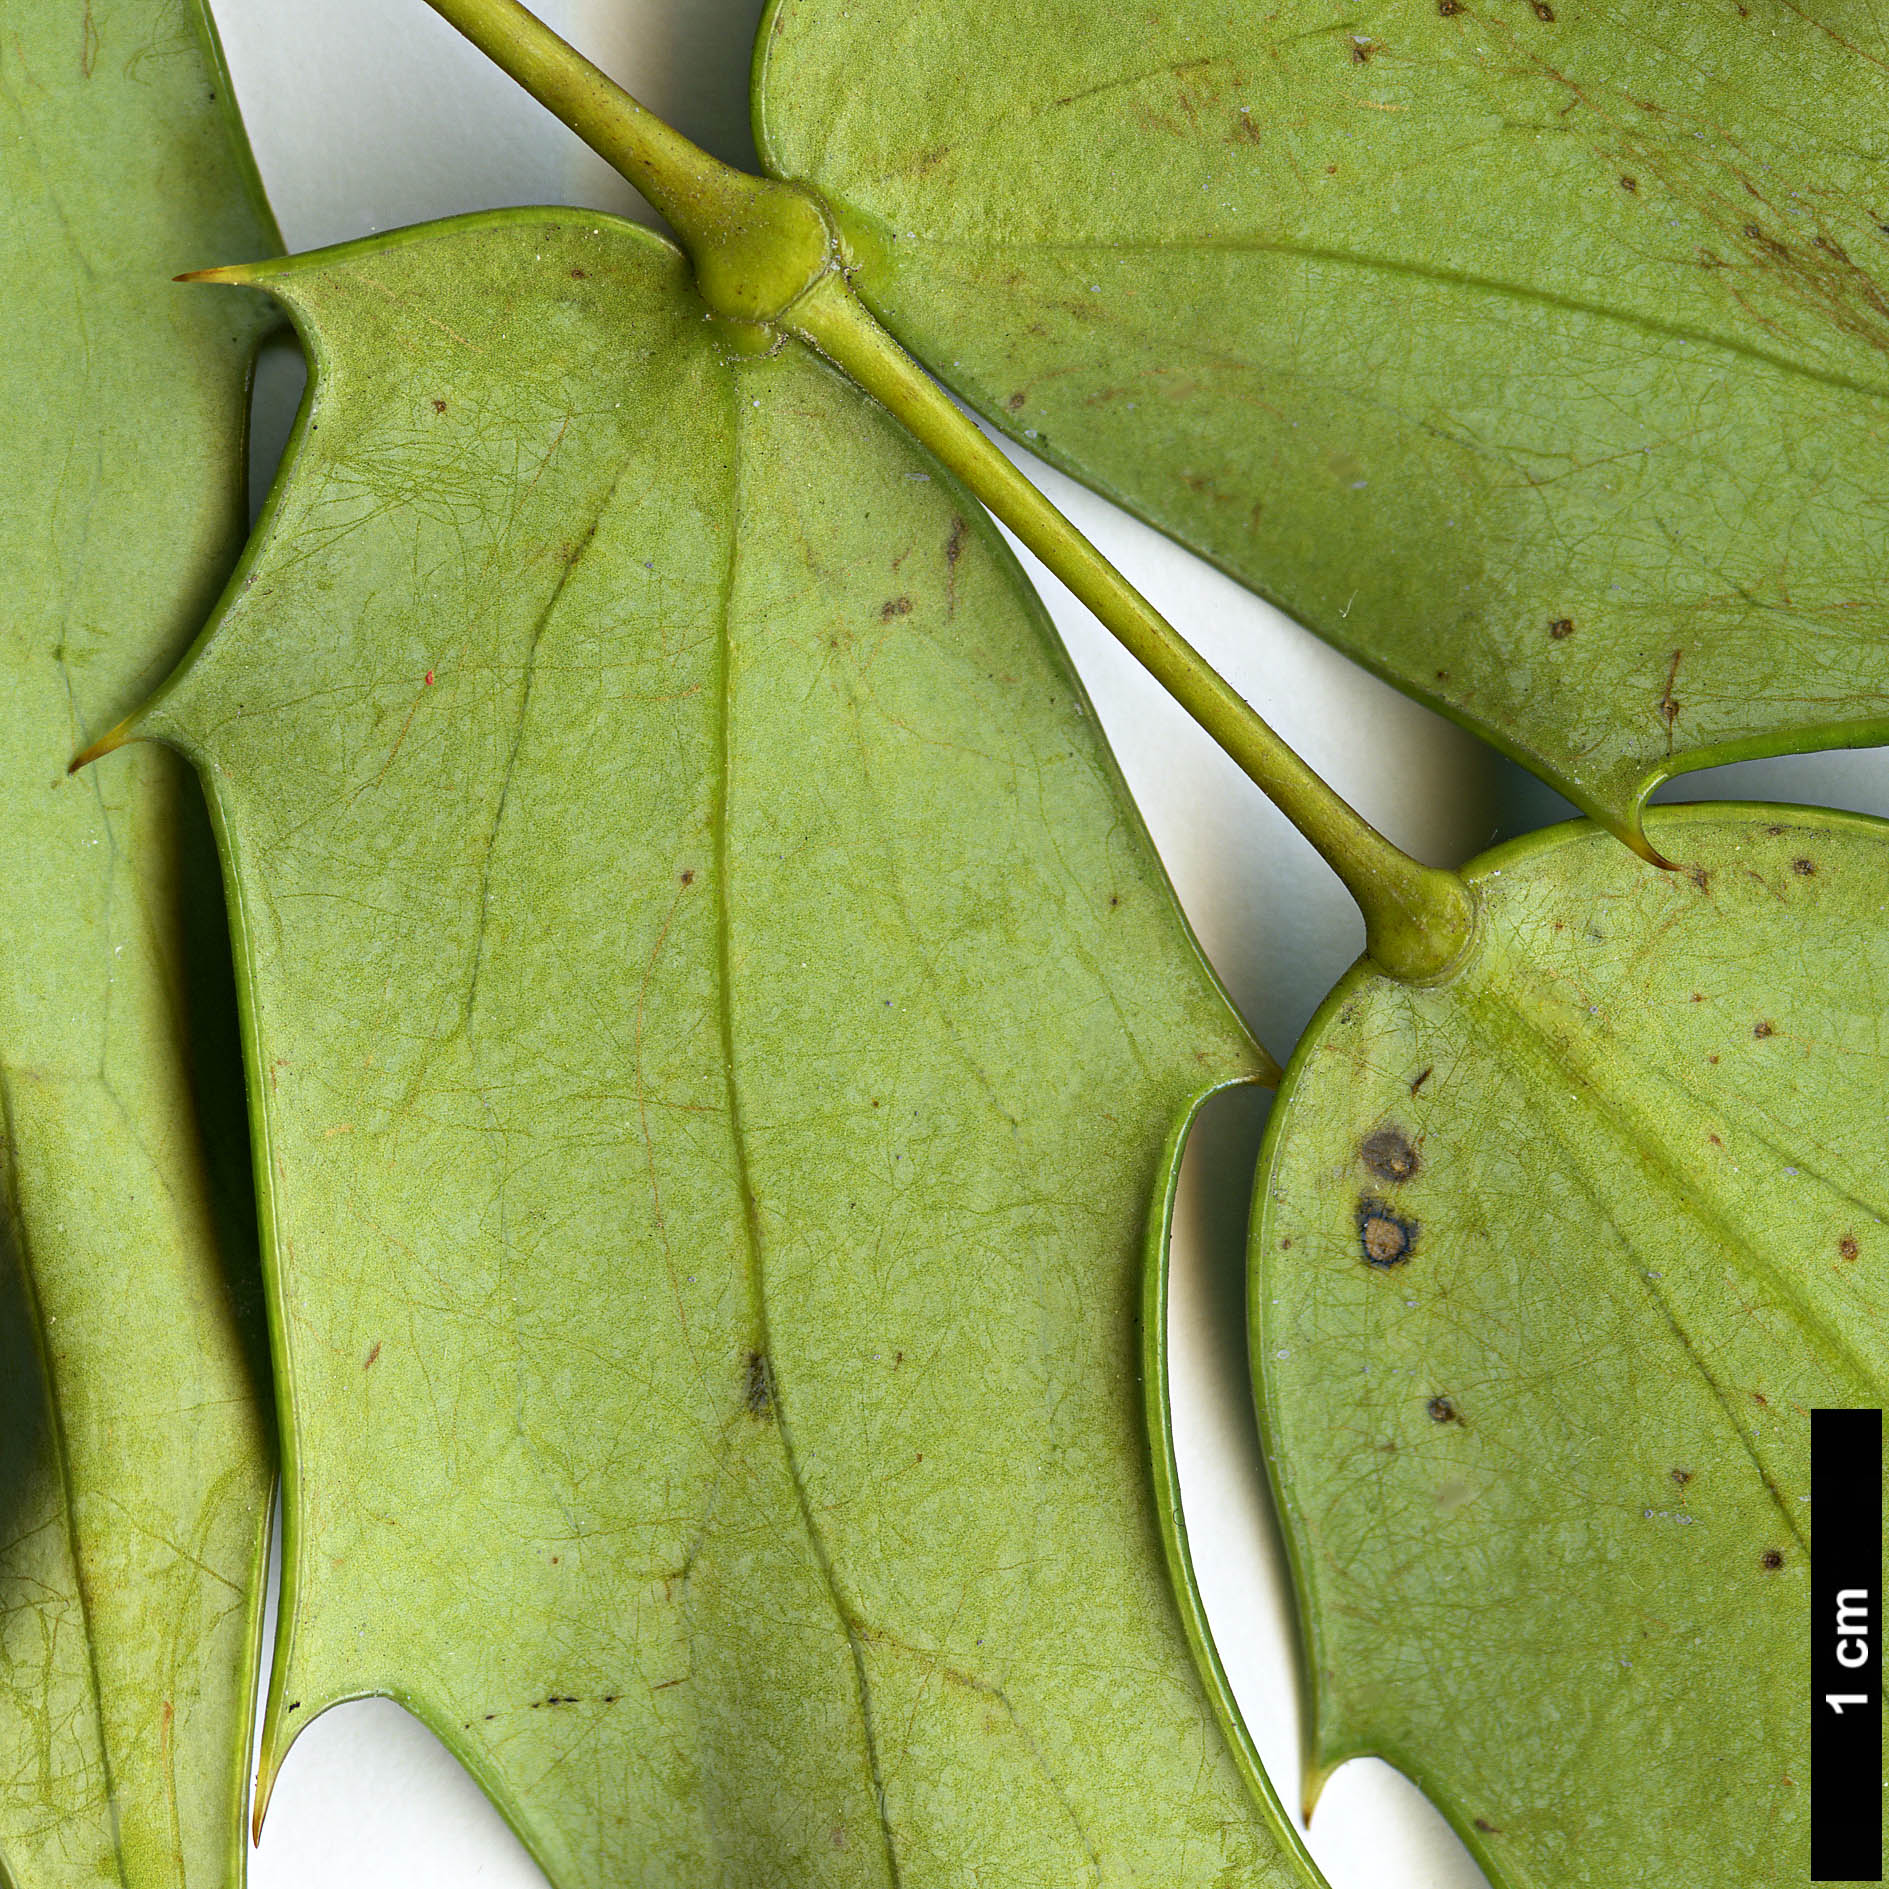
369,114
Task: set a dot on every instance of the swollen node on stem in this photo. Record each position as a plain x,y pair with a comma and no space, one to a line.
767,260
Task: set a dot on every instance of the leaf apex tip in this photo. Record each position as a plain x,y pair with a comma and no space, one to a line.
112,738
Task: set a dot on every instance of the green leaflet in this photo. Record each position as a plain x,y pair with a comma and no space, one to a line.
1550,1265
716,1028
135,1470
1532,354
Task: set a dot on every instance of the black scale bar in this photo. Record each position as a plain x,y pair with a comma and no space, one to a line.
1846,1792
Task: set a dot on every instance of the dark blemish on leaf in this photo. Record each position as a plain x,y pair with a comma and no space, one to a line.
1285,1245
1016,401
1442,1410
1114,899
580,275
439,406
1712,1137
1422,1076
1449,8
895,607
1698,997
1776,832
875,1101
1700,877
1847,1246
1682,1477
1384,1238
688,875
372,1355
1362,49
1668,702
1487,1828
1771,1560
610,1698
667,1683
759,1391
1804,868
1388,1153
1561,629
1543,11
1758,1397
1713,1060
1764,1029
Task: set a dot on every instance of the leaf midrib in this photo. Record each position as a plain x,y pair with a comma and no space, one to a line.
754,1244
1424,272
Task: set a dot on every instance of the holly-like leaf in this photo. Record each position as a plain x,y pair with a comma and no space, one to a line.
717,1028
1533,354
1550,1264
134,1460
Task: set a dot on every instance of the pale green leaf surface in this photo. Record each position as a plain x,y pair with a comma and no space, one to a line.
1550,1265
718,1027
1533,355
135,1465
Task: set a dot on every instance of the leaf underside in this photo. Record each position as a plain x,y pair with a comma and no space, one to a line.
134,1460
1550,1265
716,1026
1534,355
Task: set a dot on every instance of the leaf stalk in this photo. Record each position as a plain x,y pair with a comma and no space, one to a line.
768,260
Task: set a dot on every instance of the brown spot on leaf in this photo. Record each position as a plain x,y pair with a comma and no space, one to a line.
1804,868
1682,1477
439,406
758,1389
1630,183
895,607
1668,702
1420,1078
1543,11
688,875
1449,8
1443,1410
1763,1029
1847,1246
1384,1238
580,275
1561,629
1362,47
1487,1828
372,1355
1015,401
1389,1153
1771,1560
